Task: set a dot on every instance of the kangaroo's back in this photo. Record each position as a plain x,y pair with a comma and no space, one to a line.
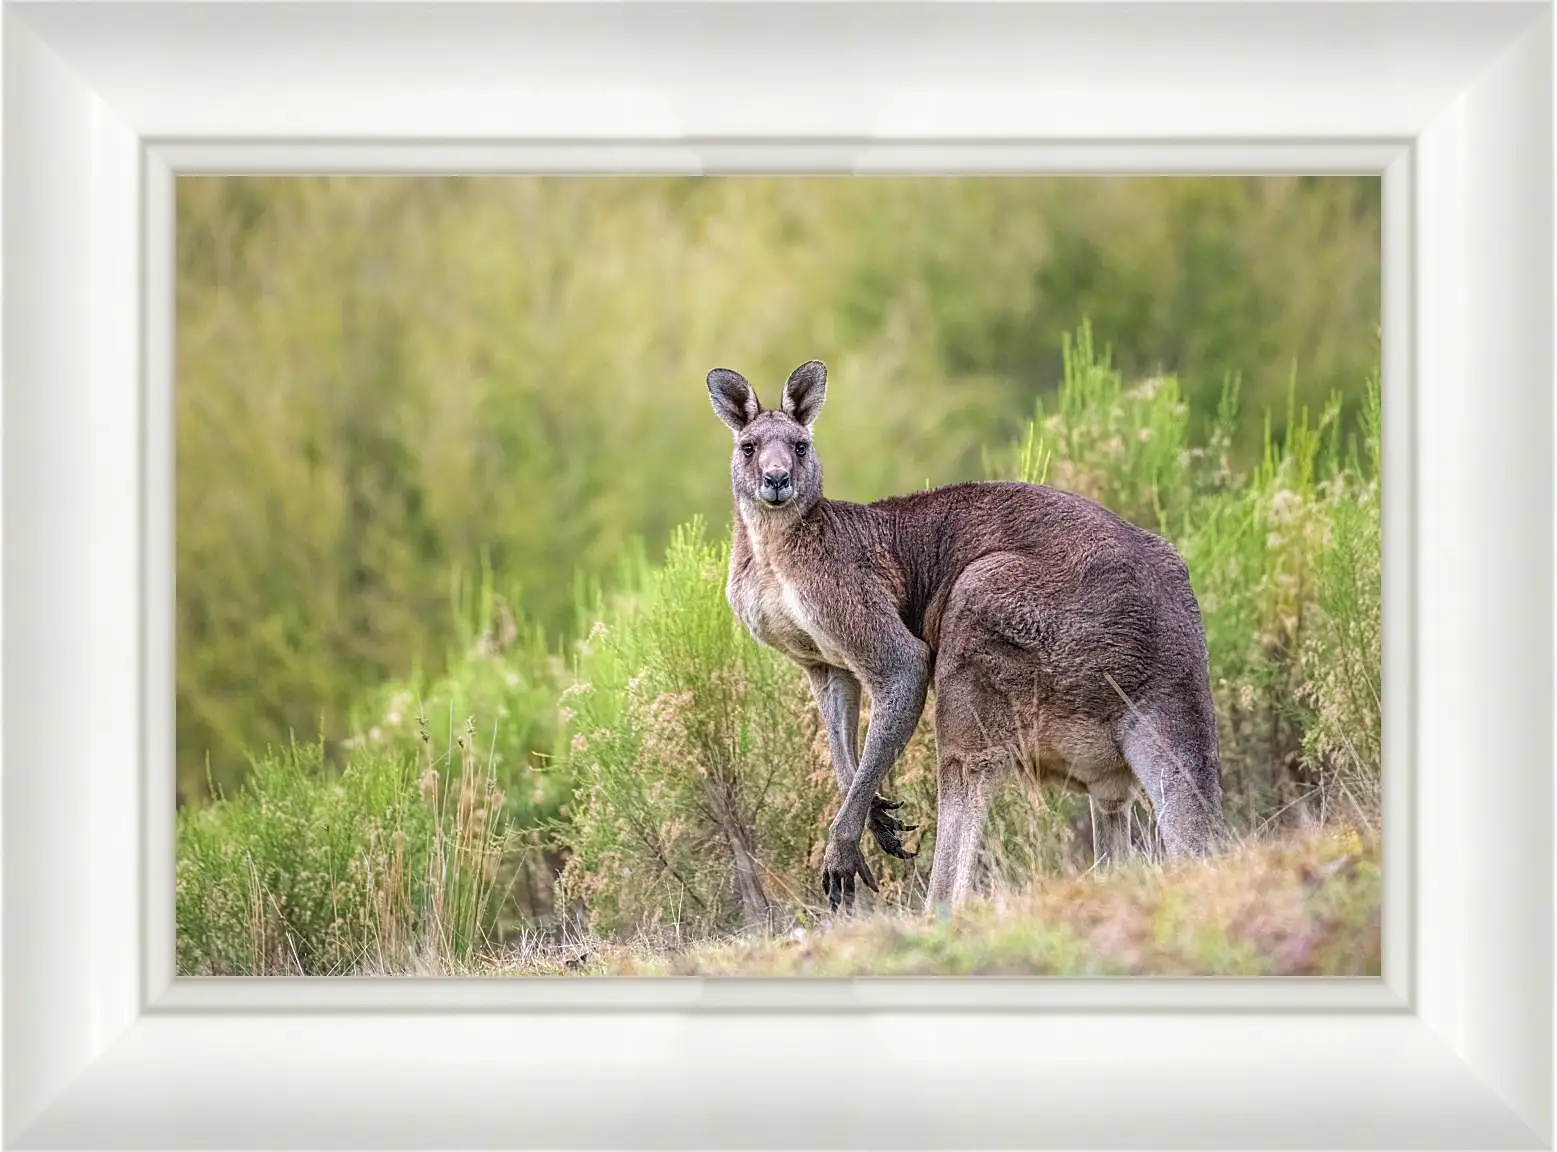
1086,562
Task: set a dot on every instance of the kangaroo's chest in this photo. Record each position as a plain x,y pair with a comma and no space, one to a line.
775,616
779,612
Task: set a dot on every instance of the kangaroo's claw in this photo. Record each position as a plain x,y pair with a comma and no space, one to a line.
892,845
888,829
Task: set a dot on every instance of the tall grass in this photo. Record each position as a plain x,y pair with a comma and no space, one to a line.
391,866
506,680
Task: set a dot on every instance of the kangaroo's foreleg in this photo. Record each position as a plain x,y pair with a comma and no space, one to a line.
898,680
837,693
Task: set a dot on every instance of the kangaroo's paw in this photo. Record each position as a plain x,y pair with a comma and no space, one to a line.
888,829
840,864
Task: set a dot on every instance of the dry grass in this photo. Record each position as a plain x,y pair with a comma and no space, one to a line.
1302,905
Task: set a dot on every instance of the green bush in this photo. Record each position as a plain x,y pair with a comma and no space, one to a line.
501,672
390,866
1286,565
1125,447
699,788
1339,657
506,680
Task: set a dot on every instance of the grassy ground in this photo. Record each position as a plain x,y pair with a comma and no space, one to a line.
1305,905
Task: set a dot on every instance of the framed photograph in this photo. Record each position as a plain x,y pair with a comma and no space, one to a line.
445,706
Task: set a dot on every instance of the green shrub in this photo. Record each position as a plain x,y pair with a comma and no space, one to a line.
391,865
699,788
1125,447
1285,563
1340,657
503,674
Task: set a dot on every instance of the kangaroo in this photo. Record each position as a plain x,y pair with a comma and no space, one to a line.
1061,640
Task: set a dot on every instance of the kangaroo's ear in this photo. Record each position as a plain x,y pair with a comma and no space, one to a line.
806,390
734,401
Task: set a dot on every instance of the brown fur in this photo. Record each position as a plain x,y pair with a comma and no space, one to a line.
1061,640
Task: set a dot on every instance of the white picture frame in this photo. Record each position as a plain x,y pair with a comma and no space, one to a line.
105,102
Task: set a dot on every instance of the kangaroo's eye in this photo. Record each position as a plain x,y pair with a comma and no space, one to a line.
802,447
748,450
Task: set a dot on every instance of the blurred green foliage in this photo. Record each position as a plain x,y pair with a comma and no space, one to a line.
387,386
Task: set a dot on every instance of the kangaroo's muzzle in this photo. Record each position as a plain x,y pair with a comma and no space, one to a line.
776,487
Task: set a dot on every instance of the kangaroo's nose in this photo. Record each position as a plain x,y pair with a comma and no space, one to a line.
775,478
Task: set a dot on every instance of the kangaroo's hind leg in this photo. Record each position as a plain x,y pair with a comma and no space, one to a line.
973,754
1172,749
951,802
1112,800
967,788
978,725
1110,832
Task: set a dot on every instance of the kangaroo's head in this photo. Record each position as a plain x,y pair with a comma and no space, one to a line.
773,466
